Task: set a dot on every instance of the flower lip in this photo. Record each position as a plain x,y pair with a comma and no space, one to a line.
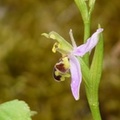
61,69
56,77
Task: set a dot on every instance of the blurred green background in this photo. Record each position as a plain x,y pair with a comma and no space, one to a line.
26,60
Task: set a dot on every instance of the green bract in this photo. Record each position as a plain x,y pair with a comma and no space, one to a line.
83,9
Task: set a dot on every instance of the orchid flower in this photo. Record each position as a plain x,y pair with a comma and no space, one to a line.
69,62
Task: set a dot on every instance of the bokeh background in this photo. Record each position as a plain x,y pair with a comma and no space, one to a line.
26,60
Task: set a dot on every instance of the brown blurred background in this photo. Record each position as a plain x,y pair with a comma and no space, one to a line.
26,60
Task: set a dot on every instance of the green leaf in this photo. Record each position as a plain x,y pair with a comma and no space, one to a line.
15,110
85,71
96,66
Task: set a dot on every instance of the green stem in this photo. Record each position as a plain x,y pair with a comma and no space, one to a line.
92,97
95,111
86,30
86,36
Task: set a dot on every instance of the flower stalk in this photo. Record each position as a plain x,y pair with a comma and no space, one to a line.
96,67
74,62
86,36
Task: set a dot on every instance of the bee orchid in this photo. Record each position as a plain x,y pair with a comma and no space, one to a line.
69,64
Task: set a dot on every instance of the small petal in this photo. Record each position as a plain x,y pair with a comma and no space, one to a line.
72,39
89,45
76,76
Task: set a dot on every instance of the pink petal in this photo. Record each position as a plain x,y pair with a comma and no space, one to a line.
89,45
76,76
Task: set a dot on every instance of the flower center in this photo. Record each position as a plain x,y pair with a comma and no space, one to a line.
61,69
